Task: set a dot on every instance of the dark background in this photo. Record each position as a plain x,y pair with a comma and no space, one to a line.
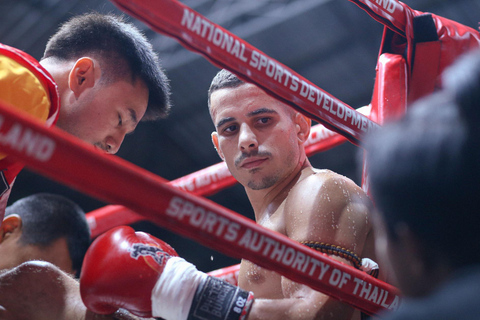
333,43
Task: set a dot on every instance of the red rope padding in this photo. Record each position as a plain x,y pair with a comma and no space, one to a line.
389,101
229,274
391,13
226,50
454,39
110,216
206,182
56,154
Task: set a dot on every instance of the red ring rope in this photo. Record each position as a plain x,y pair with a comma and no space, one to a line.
391,13
225,50
56,154
229,274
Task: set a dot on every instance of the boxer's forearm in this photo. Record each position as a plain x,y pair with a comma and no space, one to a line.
300,309
120,314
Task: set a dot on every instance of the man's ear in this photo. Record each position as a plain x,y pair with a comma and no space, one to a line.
215,144
83,75
303,125
10,224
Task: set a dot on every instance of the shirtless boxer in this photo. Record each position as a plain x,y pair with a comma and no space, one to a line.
261,140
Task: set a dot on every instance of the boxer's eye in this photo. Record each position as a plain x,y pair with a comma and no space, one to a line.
264,120
230,129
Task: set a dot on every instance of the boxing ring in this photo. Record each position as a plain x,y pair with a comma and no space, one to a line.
179,206
51,152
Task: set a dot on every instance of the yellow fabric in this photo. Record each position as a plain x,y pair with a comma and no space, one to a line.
20,88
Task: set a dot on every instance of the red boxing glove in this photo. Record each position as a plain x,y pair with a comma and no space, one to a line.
120,269
142,274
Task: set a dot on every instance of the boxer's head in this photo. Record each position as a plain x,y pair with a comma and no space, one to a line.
109,78
259,137
44,227
424,172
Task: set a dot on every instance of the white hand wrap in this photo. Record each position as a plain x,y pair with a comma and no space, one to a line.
173,293
369,266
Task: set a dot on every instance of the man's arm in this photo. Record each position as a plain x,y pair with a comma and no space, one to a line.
305,304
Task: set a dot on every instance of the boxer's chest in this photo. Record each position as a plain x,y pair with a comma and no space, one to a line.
263,282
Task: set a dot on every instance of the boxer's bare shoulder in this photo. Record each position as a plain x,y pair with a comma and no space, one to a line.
33,290
330,208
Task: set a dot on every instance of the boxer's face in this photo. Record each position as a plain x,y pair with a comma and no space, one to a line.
101,114
257,136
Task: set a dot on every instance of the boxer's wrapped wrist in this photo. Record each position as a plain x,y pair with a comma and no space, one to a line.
182,292
216,299
173,293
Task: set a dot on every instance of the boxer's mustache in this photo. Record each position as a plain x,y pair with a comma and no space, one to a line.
254,153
